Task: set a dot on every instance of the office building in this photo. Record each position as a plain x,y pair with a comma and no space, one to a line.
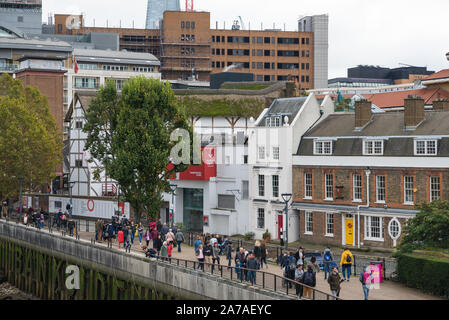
22,16
156,9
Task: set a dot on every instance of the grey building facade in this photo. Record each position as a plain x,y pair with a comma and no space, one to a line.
24,15
319,25
155,11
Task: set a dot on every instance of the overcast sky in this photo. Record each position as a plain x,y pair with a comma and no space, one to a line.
380,32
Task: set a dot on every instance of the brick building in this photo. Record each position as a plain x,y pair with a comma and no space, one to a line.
189,48
400,158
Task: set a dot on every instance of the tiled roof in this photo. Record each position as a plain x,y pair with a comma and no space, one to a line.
396,98
443,74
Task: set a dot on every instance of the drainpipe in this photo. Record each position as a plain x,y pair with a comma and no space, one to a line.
368,173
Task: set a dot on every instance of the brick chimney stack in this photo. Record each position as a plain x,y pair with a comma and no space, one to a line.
413,111
362,113
441,105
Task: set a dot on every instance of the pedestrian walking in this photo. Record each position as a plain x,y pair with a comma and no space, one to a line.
252,265
200,256
128,238
263,254
257,251
140,233
154,235
229,254
179,239
159,244
170,236
197,242
335,281
147,237
367,280
290,269
215,256
170,250
164,251
309,279
315,265
239,260
120,237
299,272
346,263
328,258
208,253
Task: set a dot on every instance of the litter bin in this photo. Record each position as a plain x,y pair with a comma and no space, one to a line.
377,268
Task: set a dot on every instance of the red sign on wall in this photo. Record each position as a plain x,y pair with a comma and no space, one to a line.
205,171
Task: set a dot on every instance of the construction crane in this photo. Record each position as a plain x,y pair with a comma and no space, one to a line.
189,5
241,21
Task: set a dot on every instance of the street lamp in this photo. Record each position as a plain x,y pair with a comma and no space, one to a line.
173,188
72,184
286,197
21,178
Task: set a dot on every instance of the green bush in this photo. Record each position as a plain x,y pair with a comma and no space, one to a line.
429,274
249,236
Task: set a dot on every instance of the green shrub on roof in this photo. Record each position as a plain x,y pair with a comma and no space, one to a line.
250,107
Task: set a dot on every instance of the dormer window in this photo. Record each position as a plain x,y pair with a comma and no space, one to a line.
426,147
273,121
373,147
322,147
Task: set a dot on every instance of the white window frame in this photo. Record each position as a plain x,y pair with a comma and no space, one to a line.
426,147
306,196
328,223
261,186
276,153
273,185
409,190
308,222
260,215
371,149
432,189
354,186
319,147
261,152
384,189
368,228
328,188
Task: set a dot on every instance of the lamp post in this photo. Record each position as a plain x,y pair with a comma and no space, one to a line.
173,188
286,197
72,184
20,197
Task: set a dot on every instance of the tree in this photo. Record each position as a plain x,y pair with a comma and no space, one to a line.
130,135
30,142
429,228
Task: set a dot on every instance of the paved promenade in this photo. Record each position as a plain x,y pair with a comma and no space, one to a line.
351,290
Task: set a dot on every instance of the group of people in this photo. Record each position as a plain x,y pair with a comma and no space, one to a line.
293,268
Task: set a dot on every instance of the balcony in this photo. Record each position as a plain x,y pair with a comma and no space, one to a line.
8,67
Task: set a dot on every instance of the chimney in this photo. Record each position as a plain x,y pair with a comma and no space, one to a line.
362,113
441,105
413,111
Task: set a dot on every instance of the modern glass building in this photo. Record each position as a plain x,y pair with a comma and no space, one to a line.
155,11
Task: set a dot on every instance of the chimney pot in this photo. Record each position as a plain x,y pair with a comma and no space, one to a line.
413,111
362,113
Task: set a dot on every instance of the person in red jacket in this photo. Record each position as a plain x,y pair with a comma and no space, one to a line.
120,238
170,249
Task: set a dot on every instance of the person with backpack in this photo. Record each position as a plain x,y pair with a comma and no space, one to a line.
346,263
309,279
334,281
328,258
367,279
290,269
299,272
